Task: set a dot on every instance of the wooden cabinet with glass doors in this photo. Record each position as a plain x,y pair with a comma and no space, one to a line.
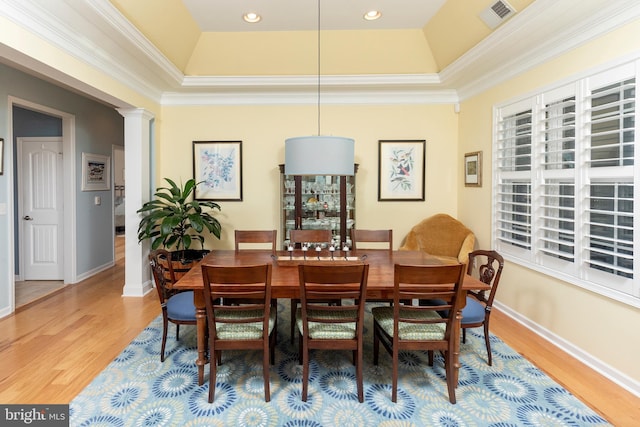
318,202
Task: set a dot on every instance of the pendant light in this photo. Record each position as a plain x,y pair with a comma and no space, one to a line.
319,154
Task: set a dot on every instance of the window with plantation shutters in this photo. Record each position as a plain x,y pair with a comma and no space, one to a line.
609,231
565,174
557,234
513,208
611,124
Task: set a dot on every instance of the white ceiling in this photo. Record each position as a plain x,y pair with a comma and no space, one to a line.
298,15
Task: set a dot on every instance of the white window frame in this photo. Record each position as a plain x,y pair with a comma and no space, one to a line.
544,230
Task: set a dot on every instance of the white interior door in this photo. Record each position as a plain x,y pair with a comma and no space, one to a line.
41,213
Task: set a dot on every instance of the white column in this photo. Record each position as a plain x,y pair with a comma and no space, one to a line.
137,143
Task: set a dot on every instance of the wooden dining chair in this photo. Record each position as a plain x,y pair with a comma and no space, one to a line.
407,327
252,239
248,325
373,237
255,238
329,327
177,306
297,238
487,266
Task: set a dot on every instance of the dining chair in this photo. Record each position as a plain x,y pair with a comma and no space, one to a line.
487,266
249,239
408,327
253,238
310,236
177,306
300,237
373,237
247,325
329,327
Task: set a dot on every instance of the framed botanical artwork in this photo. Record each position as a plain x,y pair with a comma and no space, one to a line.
1,156
401,170
96,172
217,168
473,169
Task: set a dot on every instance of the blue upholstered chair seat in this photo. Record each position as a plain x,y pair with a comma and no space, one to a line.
180,306
473,312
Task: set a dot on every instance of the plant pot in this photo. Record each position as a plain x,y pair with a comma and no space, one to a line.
182,261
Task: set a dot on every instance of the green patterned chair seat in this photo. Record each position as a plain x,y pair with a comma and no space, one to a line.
410,331
319,330
241,331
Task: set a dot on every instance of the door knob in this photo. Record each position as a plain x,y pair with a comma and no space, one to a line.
27,218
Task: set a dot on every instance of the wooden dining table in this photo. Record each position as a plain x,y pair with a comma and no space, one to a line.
284,280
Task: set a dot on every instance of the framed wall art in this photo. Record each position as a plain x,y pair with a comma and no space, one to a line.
217,167
96,172
401,170
473,169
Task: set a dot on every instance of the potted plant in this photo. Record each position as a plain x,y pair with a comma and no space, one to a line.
172,221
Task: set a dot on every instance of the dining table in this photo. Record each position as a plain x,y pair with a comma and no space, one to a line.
285,280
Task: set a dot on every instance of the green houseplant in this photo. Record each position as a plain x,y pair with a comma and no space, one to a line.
174,222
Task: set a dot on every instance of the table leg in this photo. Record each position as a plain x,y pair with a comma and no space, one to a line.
201,331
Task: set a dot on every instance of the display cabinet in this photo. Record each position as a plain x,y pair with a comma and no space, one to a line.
316,202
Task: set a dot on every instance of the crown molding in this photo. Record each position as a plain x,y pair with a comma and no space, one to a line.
267,95
334,89
110,43
364,80
116,20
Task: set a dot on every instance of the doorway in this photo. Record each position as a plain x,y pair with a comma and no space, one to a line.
63,153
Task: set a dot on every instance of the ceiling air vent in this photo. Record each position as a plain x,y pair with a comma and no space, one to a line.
497,13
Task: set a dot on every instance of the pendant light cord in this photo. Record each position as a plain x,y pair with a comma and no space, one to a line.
319,67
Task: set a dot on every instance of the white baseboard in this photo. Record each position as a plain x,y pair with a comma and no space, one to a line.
5,312
594,363
86,275
137,290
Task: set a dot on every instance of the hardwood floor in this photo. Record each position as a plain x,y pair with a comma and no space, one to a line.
54,348
31,291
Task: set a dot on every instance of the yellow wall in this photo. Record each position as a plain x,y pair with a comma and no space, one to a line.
597,325
457,27
296,53
166,23
263,129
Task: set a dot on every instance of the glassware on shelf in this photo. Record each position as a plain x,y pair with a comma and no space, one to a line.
316,203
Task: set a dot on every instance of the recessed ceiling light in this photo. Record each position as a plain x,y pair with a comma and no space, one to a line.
251,17
372,15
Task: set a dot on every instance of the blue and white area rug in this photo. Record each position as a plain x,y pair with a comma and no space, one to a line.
136,389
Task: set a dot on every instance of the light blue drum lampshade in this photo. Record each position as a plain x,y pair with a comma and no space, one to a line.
319,155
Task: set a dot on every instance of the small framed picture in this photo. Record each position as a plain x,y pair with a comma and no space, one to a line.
217,168
1,156
96,171
473,169
401,170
